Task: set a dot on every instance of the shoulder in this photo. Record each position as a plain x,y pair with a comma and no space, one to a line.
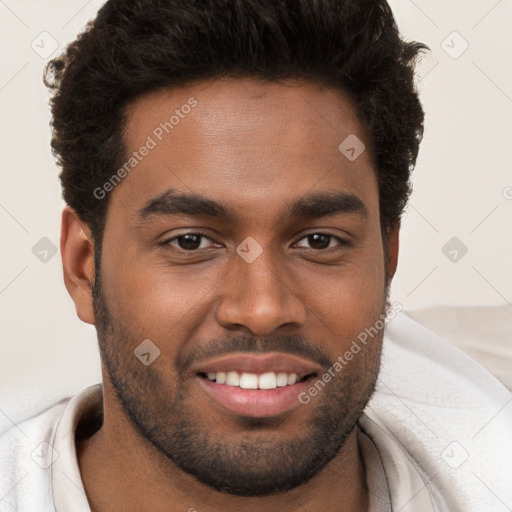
443,413
25,460
33,447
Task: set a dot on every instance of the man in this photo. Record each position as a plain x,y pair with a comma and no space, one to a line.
234,174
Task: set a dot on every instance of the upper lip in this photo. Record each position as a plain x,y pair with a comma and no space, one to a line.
258,364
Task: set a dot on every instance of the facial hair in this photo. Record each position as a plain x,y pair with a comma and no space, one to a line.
257,460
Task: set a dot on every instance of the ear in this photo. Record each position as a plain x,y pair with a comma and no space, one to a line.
77,250
391,251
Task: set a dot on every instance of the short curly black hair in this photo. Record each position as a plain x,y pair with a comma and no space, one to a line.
134,47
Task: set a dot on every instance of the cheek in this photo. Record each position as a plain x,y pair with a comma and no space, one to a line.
155,298
349,298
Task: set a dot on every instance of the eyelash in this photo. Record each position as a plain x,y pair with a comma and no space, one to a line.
166,243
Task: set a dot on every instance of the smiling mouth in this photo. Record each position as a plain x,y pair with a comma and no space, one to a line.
262,381
256,395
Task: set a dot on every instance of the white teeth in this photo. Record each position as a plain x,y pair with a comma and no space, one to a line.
292,378
246,380
232,379
282,379
267,381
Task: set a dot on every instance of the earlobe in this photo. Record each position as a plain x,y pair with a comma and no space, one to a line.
77,250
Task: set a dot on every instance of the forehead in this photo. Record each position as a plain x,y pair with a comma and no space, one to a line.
241,140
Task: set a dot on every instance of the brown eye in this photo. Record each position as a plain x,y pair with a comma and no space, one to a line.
320,241
190,242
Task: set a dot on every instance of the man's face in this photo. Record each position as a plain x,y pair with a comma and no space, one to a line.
288,261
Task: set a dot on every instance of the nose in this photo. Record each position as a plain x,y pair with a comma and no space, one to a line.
258,297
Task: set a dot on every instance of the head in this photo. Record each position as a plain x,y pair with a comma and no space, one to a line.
267,149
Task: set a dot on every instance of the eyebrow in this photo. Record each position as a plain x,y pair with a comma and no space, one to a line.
172,203
323,205
313,206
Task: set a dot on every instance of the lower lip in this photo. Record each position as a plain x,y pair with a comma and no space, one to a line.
255,402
